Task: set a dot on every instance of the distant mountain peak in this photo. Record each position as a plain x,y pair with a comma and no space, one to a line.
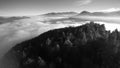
84,12
106,13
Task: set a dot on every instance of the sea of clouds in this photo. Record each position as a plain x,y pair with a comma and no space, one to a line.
21,30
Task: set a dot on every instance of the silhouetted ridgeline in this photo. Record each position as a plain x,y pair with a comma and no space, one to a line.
86,46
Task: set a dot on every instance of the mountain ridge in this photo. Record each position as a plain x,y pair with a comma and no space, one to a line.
108,14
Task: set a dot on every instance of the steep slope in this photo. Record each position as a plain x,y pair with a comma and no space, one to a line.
86,46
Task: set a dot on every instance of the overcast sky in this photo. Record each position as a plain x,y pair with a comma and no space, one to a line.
35,7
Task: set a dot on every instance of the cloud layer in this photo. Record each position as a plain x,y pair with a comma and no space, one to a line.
82,2
111,10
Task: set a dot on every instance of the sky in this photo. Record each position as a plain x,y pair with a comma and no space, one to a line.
36,7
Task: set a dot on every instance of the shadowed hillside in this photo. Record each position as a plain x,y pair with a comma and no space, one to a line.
86,46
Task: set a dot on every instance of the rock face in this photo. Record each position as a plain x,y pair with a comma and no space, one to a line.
86,46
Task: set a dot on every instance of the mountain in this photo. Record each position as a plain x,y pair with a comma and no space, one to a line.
106,14
60,14
116,13
86,46
85,13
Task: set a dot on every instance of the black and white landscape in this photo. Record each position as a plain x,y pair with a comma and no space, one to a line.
59,34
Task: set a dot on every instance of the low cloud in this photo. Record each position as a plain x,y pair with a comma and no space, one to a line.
82,2
111,10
